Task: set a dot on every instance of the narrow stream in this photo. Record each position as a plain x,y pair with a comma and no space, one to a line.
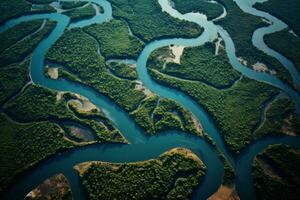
143,147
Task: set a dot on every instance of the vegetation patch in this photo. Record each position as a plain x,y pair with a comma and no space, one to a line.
286,43
18,51
78,52
288,11
148,22
41,1
71,4
211,10
85,12
156,115
276,173
13,8
122,70
236,110
281,118
19,73
197,64
173,175
13,35
41,104
24,145
115,40
237,20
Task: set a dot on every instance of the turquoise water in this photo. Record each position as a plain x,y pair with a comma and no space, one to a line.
143,147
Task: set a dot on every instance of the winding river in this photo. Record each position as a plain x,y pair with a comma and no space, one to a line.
143,147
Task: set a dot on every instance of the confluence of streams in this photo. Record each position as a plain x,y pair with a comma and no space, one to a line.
144,147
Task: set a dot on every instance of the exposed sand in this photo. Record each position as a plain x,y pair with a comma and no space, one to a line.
218,46
52,72
82,104
197,124
287,127
225,193
269,170
59,96
266,21
243,61
177,51
293,33
140,87
186,152
261,67
57,186
133,66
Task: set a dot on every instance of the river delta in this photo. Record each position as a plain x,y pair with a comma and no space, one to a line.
188,99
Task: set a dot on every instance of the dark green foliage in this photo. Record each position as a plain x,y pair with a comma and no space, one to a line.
19,73
241,27
198,63
287,44
148,22
276,173
115,40
287,11
41,1
67,75
71,4
13,8
281,118
22,146
156,115
81,13
170,115
37,103
171,176
20,50
211,10
142,115
236,110
123,70
13,35
78,52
